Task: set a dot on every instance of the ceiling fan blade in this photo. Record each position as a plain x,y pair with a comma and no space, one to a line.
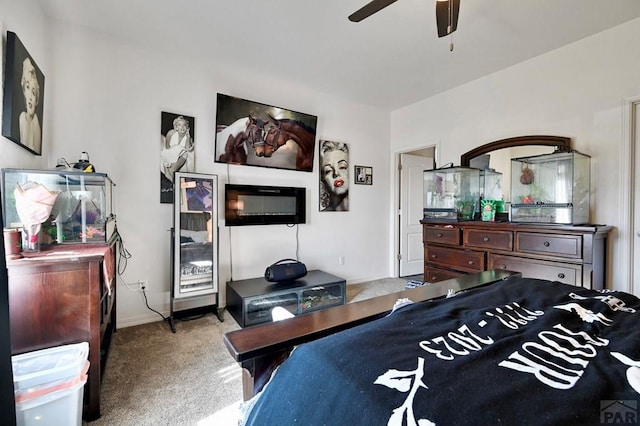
369,9
446,17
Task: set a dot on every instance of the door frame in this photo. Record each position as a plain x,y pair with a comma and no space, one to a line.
627,232
396,201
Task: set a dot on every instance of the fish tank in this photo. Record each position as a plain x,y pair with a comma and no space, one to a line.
551,188
58,206
451,193
491,188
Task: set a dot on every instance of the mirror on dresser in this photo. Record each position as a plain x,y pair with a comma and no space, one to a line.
573,254
502,151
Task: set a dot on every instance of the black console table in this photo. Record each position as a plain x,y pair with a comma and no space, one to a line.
250,301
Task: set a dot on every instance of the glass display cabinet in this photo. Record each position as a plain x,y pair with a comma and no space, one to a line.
451,194
195,238
58,206
551,188
491,185
491,191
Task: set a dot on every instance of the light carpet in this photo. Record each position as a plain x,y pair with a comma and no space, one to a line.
155,377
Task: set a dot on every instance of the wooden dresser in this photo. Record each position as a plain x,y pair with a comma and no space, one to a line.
65,295
573,255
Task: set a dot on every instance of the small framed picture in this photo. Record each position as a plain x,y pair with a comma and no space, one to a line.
364,175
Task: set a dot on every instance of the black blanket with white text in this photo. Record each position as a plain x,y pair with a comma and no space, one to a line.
522,351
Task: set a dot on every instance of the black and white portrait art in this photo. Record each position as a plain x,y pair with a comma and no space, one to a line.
23,97
363,175
334,176
177,150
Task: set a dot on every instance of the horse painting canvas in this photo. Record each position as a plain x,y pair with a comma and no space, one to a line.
285,130
255,134
232,142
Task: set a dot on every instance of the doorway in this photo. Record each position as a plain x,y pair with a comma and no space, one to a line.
411,164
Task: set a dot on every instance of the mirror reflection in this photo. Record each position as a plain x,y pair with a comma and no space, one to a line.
500,161
195,269
497,155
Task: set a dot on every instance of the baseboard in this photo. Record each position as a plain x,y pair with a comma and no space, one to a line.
366,279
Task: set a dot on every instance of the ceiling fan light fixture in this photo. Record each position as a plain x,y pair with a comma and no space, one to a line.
446,15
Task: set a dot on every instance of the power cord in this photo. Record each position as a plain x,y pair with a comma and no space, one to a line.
146,302
297,239
122,251
124,257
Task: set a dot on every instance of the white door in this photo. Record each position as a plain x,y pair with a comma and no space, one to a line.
411,200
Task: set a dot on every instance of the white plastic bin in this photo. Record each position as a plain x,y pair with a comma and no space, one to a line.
49,385
56,408
46,367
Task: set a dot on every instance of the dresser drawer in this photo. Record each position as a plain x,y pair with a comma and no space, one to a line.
463,260
441,235
533,268
555,245
497,240
434,275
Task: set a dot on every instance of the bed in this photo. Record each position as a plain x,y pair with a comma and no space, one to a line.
501,349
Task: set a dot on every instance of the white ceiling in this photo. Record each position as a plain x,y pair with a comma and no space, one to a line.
391,59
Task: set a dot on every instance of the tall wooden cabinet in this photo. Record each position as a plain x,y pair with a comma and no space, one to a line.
66,295
570,254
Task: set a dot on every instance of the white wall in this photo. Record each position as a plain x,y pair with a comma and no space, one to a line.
105,97
108,99
576,91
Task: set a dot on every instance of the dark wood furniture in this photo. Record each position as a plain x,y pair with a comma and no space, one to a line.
62,296
573,255
558,142
250,301
261,348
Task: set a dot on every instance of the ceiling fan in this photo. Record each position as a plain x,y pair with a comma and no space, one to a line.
446,13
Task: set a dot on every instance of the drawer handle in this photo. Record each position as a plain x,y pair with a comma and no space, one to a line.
434,278
503,266
546,243
485,239
439,235
561,275
471,262
433,256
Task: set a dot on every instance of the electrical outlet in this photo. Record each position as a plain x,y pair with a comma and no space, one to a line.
340,260
142,285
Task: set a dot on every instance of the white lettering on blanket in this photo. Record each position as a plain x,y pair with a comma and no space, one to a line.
516,320
551,361
613,302
585,314
557,357
465,339
462,341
